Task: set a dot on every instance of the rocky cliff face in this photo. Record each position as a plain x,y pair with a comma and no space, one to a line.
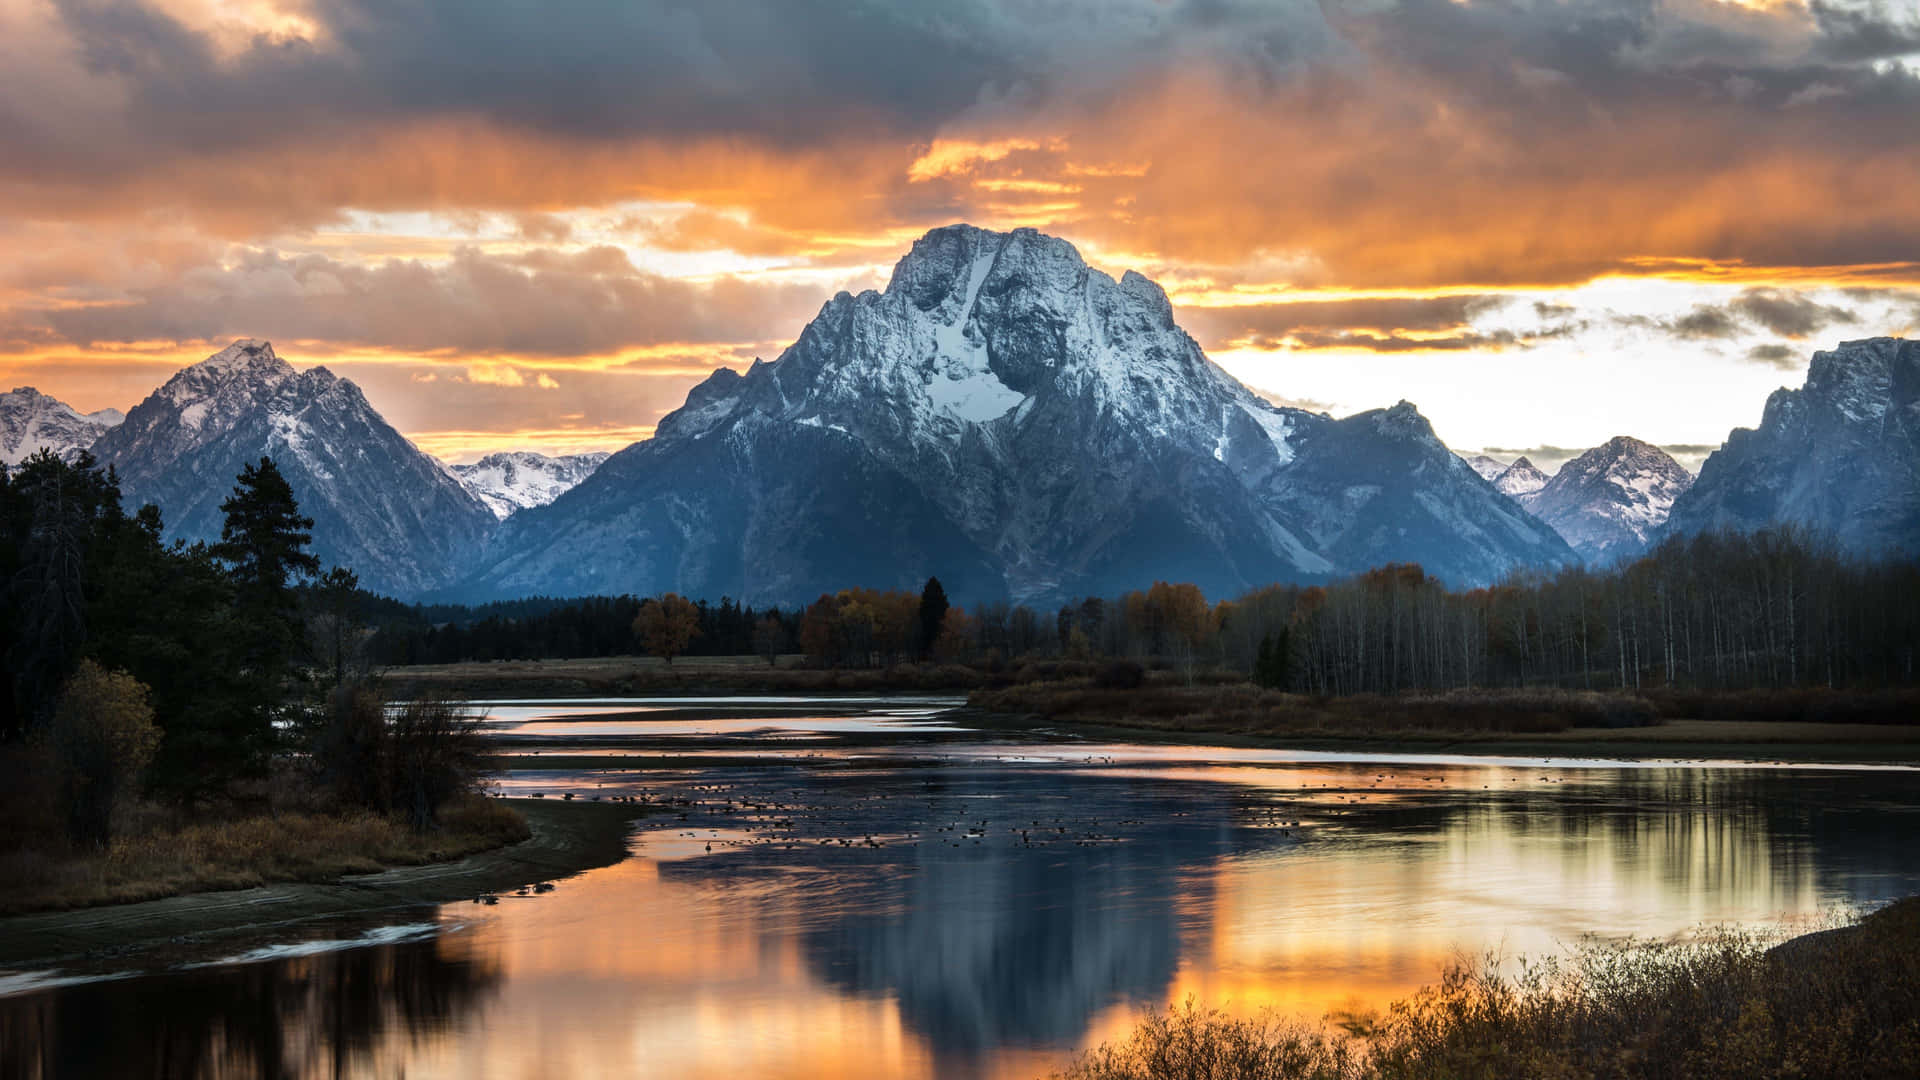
1022,425
380,506
1610,501
30,421
1841,454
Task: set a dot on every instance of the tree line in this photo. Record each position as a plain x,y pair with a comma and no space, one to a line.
1778,607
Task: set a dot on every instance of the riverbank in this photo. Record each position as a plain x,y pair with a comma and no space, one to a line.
1720,1006
1525,724
565,838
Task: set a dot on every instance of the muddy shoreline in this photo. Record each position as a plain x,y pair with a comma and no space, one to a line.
568,838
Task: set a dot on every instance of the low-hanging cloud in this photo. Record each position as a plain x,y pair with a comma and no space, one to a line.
540,303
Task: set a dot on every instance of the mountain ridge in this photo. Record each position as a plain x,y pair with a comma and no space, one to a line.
380,505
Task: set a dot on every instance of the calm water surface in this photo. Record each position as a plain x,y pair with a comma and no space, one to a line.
870,888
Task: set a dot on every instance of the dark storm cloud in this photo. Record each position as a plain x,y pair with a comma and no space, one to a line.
1788,313
1783,312
785,72
1865,31
1424,313
1784,357
1705,321
537,304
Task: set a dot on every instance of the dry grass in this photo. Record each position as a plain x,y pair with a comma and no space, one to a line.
1790,706
1245,709
163,857
1723,1006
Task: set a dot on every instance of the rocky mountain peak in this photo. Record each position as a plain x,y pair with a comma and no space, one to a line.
1520,479
1609,501
1036,425
379,504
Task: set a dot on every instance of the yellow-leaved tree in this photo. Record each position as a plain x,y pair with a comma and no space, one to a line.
667,625
102,737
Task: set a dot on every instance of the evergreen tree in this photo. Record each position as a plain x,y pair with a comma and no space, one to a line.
933,613
263,546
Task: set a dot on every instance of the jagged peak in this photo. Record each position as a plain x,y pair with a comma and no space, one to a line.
245,352
1403,419
1522,462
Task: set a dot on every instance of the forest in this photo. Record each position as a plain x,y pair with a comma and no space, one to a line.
1781,607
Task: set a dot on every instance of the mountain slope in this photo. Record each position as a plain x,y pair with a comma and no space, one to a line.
380,506
1608,502
517,480
1041,431
1841,454
31,421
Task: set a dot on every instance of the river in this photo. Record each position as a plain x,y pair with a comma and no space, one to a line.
870,887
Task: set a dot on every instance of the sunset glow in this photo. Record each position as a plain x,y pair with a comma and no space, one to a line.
1544,225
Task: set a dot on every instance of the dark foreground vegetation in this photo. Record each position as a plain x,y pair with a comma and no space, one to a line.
1725,1006
179,717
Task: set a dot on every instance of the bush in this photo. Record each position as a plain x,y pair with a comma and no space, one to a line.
410,760
101,738
1120,675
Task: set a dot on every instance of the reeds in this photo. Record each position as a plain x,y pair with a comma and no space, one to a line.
1719,1006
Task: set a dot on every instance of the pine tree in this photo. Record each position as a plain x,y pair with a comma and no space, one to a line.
263,545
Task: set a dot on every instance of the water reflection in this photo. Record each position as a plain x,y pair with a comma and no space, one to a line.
983,909
341,1013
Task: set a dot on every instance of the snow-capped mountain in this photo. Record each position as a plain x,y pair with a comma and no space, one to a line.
380,506
1841,454
1608,502
518,479
1022,425
1489,468
1520,479
30,421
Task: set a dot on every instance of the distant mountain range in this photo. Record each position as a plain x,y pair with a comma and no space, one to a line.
31,421
1003,416
521,479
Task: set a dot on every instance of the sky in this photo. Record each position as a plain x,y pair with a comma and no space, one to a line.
1544,222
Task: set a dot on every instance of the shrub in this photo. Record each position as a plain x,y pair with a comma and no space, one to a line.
409,760
1120,675
101,738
